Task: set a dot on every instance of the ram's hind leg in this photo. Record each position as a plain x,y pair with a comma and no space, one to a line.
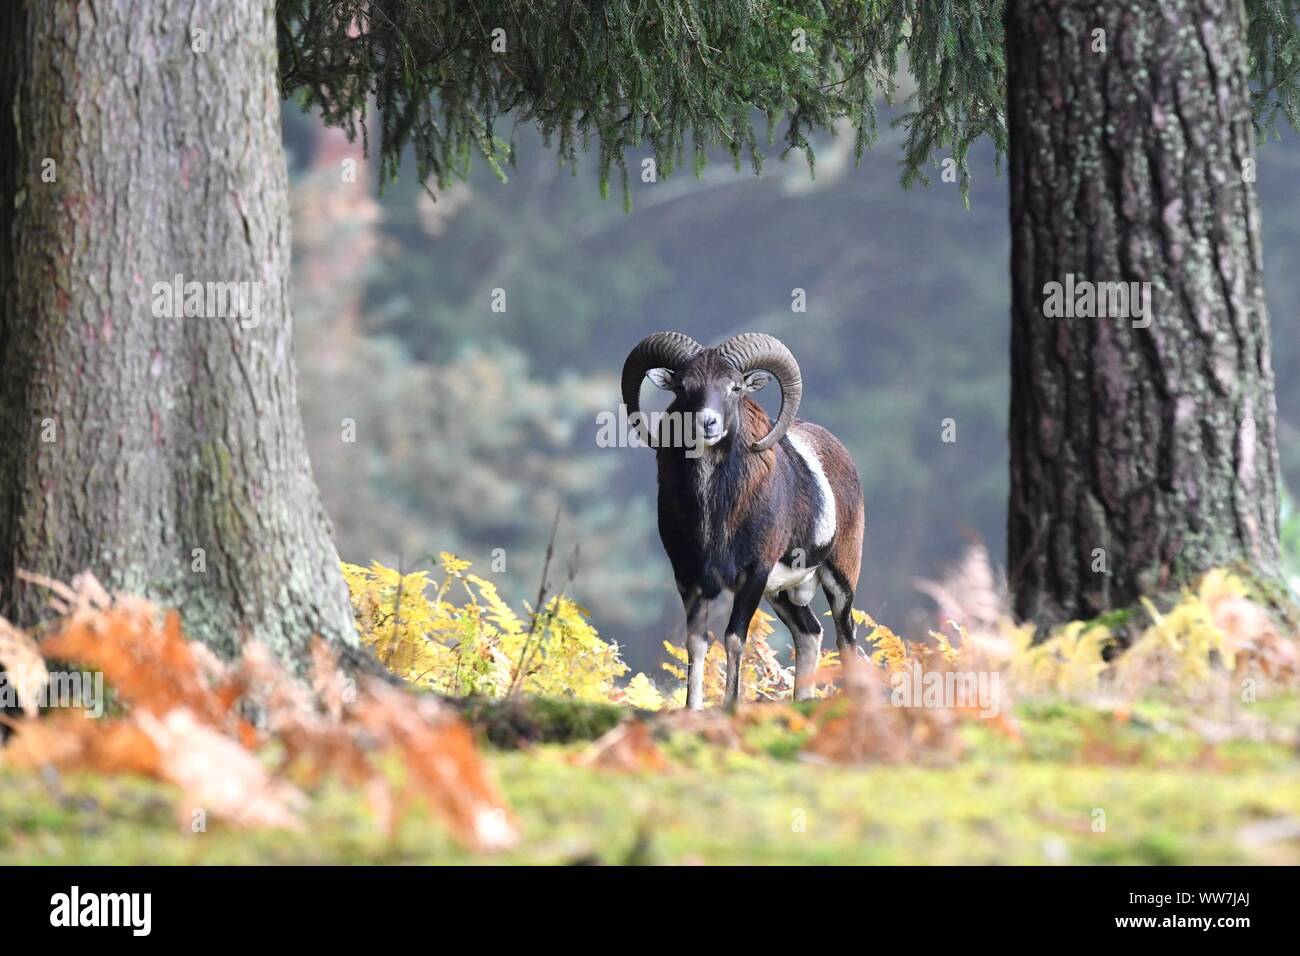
806,631
840,594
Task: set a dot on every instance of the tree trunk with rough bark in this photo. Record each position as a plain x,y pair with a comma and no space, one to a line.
164,452
1142,445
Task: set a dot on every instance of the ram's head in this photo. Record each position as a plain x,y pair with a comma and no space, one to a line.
709,384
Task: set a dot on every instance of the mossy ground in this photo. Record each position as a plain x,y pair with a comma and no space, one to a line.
1081,786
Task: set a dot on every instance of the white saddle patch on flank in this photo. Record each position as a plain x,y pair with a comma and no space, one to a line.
824,526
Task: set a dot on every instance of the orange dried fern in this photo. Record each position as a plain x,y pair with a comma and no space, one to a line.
181,723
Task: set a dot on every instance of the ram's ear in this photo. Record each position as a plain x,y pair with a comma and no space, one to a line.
756,379
663,377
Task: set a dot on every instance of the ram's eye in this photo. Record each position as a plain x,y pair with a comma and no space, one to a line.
735,387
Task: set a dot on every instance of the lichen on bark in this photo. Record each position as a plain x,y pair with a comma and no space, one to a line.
173,433
1145,450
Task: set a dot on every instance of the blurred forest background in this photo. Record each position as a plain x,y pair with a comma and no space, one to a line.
474,426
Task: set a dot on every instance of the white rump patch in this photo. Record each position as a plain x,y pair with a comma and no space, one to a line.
800,582
824,526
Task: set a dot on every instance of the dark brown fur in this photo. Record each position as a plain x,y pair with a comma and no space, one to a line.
728,516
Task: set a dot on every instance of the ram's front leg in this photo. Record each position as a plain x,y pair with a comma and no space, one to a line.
742,612
697,645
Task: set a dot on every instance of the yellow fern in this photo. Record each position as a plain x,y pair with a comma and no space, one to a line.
889,649
1069,662
641,693
1181,645
479,646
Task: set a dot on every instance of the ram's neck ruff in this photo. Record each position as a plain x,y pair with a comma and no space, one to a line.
704,473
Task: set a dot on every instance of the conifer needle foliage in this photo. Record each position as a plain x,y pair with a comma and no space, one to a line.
671,75
451,78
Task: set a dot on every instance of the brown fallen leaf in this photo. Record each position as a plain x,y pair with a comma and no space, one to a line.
152,668
182,725
860,725
23,667
69,740
219,776
629,747
714,726
441,758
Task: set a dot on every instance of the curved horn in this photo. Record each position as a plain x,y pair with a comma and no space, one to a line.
661,350
755,350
